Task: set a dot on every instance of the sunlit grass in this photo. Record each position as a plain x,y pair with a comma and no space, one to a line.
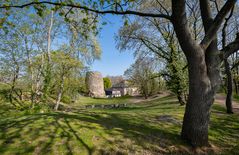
143,128
89,101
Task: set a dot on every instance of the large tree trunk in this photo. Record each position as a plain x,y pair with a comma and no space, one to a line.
201,96
229,87
203,66
200,99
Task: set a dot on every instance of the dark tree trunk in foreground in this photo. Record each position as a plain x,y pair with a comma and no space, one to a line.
229,87
201,97
203,68
196,117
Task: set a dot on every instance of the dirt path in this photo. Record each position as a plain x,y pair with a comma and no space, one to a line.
221,98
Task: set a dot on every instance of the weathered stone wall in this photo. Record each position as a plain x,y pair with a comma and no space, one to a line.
95,84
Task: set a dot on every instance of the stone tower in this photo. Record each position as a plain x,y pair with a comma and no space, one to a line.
95,84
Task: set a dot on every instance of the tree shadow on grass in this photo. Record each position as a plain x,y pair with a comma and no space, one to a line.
26,130
154,106
38,133
162,103
223,129
119,133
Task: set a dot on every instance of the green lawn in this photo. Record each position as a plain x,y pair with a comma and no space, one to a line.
89,101
142,128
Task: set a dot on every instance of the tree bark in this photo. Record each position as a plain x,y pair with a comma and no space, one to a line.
229,87
201,96
203,68
196,117
180,99
47,78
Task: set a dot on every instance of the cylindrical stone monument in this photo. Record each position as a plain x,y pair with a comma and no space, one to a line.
95,84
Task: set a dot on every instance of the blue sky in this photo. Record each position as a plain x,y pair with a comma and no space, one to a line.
113,62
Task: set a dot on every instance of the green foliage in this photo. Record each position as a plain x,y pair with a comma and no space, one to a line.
141,74
64,62
157,38
2,20
4,92
38,108
73,86
66,99
24,46
40,9
177,75
107,83
63,71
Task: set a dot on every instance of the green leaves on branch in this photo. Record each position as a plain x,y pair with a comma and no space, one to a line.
107,83
39,9
2,20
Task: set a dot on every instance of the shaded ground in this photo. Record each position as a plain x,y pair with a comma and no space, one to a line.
149,128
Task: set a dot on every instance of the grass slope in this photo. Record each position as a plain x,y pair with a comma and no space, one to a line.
143,128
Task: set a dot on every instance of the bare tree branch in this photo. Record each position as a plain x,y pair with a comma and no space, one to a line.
224,35
206,14
232,47
162,7
235,65
116,12
181,27
212,31
216,4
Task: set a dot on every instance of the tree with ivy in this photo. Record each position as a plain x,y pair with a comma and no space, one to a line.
176,77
